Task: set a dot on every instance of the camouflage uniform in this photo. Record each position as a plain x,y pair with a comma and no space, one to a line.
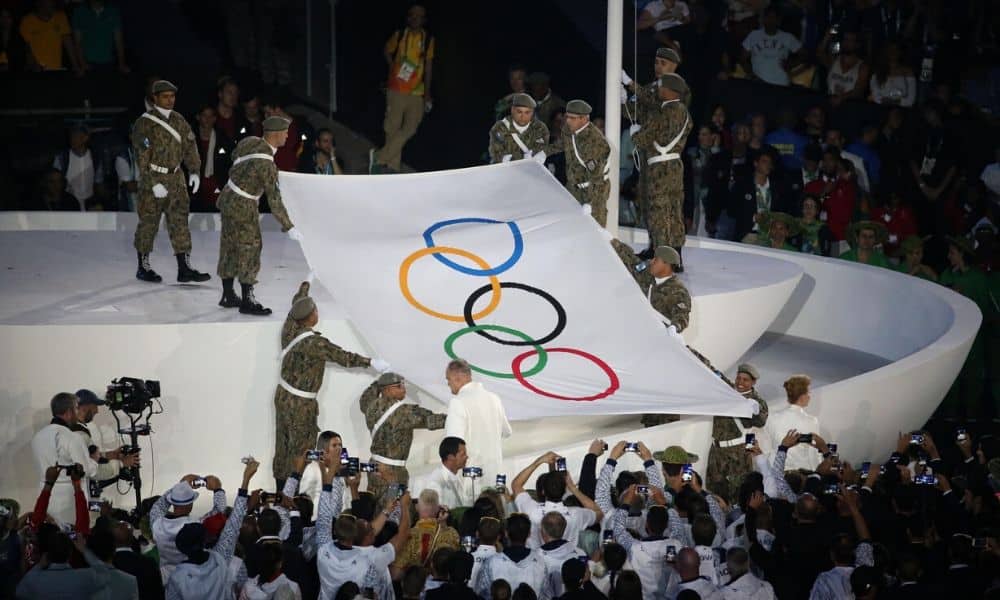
394,436
547,106
727,466
302,370
502,142
667,129
240,243
587,166
158,156
645,102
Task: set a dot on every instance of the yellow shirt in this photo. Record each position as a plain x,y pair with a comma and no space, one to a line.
44,38
426,537
410,54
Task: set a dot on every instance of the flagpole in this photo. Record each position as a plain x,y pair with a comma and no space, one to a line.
612,105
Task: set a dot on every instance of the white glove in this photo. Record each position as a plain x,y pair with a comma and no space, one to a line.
634,129
539,157
672,330
606,234
625,78
528,154
159,191
380,365
623,95
506,158
295,234
587,209
194,182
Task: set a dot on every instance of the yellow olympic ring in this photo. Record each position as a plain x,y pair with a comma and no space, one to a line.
404,286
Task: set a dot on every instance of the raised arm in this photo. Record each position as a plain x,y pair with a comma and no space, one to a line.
331,352
325,511
517,486
622,536
602,491
399,540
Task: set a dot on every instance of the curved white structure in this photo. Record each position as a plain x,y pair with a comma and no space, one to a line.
73,316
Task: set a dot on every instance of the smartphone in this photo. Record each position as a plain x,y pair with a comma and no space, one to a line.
866,467
687,473
831,490
473,472
642,490
925,479
344,456
605,446
95,505
671,554
469,543
315,454
916,438
832,448
247,460
270,498
979,543
607,537
199,483
805,438
750,439
400,490
631,446
369,467
961,435
501,481
561,464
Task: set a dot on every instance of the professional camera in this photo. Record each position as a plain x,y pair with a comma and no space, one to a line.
132,395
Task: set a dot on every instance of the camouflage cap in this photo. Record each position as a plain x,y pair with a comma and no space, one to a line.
578,107
667,255
537,77
302,308
675,455
749,370
669,54
163,86
389,378
275,123
523,100
673,81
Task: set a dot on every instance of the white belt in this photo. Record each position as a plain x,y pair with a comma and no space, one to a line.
392,462
584,185
663,158
731,443
164,170
240,192
295,391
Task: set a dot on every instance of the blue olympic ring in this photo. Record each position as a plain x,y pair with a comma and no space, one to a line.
514,256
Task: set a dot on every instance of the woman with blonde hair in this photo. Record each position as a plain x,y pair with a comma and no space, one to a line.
794,417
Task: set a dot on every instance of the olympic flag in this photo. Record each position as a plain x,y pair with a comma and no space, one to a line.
499,266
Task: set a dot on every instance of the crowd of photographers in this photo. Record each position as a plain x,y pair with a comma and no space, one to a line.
918,521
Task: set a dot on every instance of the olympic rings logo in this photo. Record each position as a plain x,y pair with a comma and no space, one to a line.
496,288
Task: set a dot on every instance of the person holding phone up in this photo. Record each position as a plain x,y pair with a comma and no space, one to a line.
805,455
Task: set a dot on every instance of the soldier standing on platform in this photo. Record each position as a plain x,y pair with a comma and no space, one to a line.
304,356
252,175
662,140
728,459
587,152
391,421
519,135
161,141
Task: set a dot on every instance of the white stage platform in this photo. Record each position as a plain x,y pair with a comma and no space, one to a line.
74,316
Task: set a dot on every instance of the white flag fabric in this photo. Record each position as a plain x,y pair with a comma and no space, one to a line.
499,266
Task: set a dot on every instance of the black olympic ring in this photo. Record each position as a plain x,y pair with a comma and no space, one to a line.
560,314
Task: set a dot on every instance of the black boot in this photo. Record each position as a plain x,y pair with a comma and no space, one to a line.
145,273
185,273
229,297
680,264
249,305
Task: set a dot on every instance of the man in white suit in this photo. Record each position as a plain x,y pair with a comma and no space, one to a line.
477,415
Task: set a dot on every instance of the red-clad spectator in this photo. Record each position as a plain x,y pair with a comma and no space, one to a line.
899,221
214,149
842,200
287,157
227,118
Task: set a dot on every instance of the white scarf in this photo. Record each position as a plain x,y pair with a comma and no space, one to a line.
520,128
210,156
163,111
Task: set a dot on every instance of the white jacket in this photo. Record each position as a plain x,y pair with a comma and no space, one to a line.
802,456
58,445
478,417
748,587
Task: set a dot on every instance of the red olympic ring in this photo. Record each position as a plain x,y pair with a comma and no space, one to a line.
515,367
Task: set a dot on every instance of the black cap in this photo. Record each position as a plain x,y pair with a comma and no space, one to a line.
89,397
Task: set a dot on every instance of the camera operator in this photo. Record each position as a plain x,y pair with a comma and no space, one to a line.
166,524
108,463
56,444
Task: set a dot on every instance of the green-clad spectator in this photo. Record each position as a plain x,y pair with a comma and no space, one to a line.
911,259
974,284
814,236
780,227
97,30
864,236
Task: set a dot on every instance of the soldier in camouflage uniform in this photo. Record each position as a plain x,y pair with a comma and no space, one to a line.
391,422
548,102
253,174
644,102
519,135
728,460
662,141
587,153
304,356
161,141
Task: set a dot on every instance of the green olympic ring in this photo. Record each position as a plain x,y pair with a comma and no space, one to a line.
543,356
